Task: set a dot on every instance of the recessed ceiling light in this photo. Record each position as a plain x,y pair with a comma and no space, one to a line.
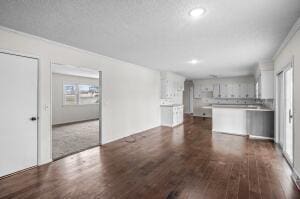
197,12
193,61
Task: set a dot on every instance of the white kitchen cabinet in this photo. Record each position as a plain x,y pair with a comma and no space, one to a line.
171,115
224,90
246,90
233,90
180,85
202,90
216,91
166,89
207,88
265,85
242,90
171,85
251,91
197,91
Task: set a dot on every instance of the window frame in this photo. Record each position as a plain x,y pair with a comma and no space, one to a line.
64,95
77,94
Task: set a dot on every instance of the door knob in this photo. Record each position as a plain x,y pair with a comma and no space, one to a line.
33,118
290,116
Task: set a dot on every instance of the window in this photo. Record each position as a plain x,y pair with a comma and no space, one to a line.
88,94
70,94
77,94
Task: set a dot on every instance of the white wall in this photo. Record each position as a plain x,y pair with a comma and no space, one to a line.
292,49
131,93
71,113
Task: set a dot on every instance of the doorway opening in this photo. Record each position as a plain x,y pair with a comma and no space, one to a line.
286,112
188,95
76,97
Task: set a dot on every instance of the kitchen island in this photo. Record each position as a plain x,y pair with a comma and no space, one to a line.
243,120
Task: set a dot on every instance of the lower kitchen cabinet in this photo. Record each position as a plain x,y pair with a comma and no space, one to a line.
171,115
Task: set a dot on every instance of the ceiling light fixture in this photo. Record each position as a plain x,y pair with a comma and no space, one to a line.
193,61
197,12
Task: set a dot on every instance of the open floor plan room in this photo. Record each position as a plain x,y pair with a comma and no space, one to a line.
193,99
186,162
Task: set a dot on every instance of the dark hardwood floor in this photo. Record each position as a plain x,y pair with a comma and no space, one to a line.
185,162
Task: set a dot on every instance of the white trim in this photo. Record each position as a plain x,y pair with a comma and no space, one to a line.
17,53
290,35
296,173
204,116
287,67
51,104
237,134
296,178
51,113
260,137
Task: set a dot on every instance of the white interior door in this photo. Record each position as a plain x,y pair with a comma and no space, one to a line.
288,82
18,127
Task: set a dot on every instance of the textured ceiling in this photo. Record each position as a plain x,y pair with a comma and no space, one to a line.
232,37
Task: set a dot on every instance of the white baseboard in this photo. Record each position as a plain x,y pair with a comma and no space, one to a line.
241,134
260,137
238,134
296,178
44,162
206,116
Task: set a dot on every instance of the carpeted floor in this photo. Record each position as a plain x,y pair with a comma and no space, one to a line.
71,138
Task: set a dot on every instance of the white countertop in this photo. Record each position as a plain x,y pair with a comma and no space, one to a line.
241,107
171,105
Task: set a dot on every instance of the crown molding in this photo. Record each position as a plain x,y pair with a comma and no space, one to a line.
290,35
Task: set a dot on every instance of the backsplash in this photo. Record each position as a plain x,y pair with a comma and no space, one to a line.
207,101
177,99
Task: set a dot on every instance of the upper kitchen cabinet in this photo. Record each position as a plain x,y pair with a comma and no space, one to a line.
216,91
207,88
197,90
233,90
202,89
225,88
224,91
265,85
251,91
166,89
246,90
171,85
243,90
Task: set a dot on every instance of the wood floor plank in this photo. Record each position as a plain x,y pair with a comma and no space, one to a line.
188,161
232,189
